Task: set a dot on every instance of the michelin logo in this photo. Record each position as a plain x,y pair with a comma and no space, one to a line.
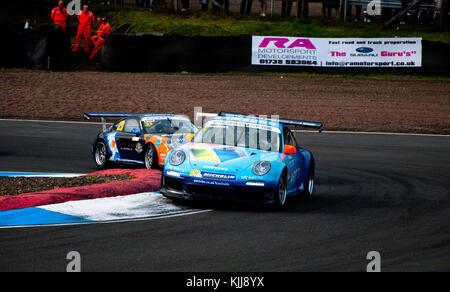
220,176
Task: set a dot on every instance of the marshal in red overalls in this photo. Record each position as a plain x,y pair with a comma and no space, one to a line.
86,19
59,15
99,40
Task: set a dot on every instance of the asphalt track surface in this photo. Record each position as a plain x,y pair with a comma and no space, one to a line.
385,193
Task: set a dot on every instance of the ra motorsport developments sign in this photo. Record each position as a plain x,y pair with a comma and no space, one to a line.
337,52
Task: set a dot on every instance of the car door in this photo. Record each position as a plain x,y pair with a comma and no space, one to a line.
128,139
294,162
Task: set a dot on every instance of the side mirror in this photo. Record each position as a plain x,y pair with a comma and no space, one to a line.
189,137
289,149
136,131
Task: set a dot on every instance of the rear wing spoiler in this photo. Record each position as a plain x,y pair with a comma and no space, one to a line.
291,122
102,116
88,116
303,123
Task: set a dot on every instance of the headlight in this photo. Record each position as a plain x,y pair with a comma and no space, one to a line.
170,143
173,173
261,168
177,157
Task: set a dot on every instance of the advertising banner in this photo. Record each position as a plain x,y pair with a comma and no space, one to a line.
337,52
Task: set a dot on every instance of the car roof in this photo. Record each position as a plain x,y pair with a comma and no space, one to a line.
159,115
141,116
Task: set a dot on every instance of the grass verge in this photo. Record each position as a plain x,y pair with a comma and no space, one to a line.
219,23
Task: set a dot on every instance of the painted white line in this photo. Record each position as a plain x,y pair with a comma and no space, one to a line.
112,221
50,121
299,131
371,133
38,174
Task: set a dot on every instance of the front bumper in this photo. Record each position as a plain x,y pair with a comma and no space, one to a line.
180,188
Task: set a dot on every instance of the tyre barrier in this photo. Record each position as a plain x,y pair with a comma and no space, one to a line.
45,47
144,180
164,53
171,53
14,53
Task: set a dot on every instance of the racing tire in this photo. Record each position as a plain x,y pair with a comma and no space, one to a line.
101,156
150,157
280,194
309,187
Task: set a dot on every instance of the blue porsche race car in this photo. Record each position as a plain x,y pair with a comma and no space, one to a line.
241,157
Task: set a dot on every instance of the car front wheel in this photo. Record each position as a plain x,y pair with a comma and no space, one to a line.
101,155
150,157
281,192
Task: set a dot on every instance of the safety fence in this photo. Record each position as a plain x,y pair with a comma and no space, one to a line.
165,53
48,48
387,11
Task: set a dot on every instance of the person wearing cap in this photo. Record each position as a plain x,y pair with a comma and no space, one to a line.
99,40
59,15
86,19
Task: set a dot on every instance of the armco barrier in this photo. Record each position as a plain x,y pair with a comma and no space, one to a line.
144,180
169,53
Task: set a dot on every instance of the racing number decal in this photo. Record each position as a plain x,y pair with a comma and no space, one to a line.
120,126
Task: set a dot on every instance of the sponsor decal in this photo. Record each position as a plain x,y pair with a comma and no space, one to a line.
218,154
147,137
337,52
215,167
154,118
364,50
204,155
139,148
195,173
208,182
252,123
289,43
111,140
398,54
212,175
218,176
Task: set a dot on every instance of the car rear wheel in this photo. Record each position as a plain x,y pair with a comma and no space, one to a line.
281,193
309,187
101,155
150,157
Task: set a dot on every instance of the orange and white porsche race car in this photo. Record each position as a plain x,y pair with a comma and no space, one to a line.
143,139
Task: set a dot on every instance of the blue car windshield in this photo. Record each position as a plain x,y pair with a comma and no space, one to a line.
167,125
253,136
